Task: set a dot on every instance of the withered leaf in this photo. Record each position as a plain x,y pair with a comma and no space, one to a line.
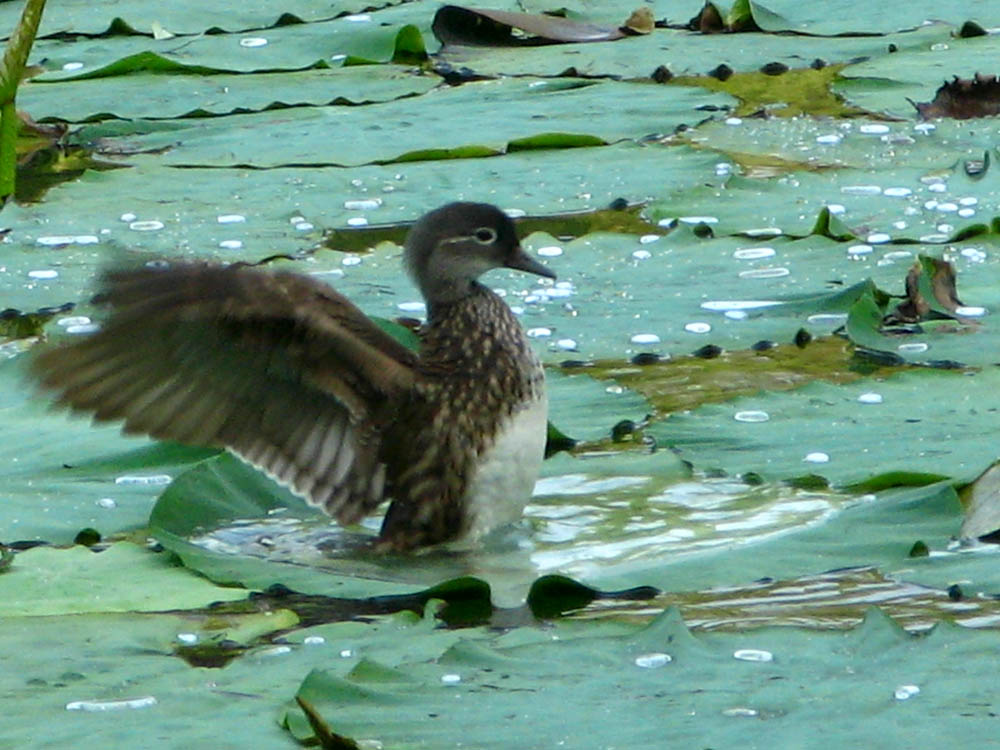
963,99
456,24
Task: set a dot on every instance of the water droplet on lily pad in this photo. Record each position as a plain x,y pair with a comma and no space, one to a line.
151,225
752,253
751,415
905,692
738,304
968,311
253,41
653,660
362,204
697,327
645,338
861,190
817,457
753,654
765,273
870,398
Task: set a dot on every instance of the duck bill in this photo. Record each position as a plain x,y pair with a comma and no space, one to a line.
521,261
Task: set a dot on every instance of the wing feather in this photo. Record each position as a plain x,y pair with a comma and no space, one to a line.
277,367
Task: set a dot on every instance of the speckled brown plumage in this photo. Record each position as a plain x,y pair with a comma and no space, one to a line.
290,375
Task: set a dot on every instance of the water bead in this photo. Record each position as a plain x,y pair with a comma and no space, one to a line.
552,251
897,192
412,307
915,348
143,479
44,273
231,244
357,221
752,253
870,398
362,204
905,692
647,238
253,41
738,304
970,312
151,225
642,254
653,660
817,457
873,129
751,416
697,327
538,333
765,273
830,139
861,190
753,654
834,319
645,338
878,238
231,218
144,702
937,187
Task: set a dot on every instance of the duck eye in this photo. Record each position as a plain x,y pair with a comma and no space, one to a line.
484,235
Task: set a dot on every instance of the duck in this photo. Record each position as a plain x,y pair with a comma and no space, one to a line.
292,377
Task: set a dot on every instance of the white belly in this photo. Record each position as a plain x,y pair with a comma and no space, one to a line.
507,471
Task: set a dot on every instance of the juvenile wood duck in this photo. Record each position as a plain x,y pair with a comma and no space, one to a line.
291,376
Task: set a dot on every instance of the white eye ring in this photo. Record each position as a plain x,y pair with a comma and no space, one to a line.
485,235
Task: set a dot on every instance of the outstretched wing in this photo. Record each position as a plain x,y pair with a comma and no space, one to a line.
277,367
